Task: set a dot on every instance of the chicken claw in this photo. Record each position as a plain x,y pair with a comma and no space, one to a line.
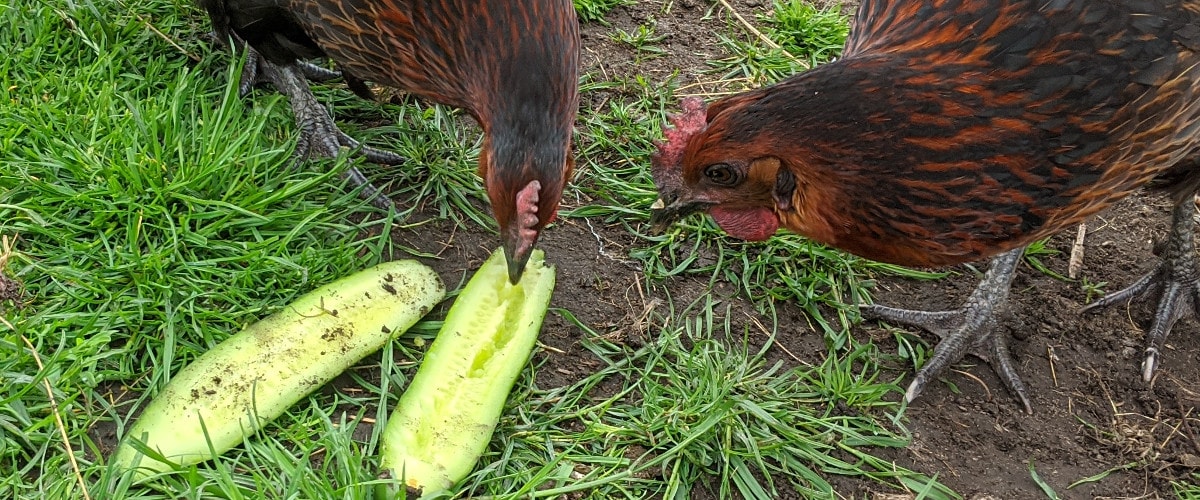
1175,282
319,136
318,133
971,329
252,72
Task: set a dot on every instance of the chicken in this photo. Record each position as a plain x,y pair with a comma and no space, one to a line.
952,131
512,64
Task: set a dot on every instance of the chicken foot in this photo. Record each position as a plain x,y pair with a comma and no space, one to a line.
318,133
971,329
252,74
1175,282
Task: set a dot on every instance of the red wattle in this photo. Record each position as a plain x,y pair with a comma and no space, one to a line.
750,224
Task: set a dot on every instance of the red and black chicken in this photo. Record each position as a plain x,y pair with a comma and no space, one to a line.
950,131
512,64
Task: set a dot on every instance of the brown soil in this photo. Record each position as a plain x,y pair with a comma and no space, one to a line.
1092,411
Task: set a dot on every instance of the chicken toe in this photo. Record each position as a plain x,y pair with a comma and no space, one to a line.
971,329
1175,283
318,133
319,136
252,72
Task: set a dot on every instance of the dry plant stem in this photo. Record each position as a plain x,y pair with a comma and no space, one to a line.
767,334
58,422
160,34
1075,264
6,248
987,391
10,289
1051,357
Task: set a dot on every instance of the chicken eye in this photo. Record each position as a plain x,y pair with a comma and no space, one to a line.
722,174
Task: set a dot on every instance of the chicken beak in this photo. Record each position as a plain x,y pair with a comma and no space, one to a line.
668,209
516,253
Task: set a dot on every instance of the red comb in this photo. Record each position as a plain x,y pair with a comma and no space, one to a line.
666,161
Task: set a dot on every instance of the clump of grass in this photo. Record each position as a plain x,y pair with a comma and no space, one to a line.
614,144
691,412
441,147
643,40
803,36
813,34
1187,490
1092,290
784,268
595,10
1033,256
754,62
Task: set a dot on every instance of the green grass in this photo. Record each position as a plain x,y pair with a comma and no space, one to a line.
1188,490
800,36
595,10
812,34
643,40
702,412
156,213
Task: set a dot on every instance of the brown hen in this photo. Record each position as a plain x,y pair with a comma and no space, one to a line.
512,64
951,131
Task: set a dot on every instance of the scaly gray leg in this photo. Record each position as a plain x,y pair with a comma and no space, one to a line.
318,133
251,72
1174,283
971,329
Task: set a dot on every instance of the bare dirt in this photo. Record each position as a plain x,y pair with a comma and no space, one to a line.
1092,412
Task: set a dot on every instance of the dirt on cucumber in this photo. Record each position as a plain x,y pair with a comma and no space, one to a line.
1092,412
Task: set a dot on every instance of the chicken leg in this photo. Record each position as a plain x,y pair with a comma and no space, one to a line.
1175,282
318,134
252,74
971,329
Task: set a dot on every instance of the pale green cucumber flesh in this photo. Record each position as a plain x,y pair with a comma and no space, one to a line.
254,376
445,418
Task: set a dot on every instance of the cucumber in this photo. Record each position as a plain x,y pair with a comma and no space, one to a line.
255,375
445,419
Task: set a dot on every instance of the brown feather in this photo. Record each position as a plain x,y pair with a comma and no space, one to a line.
951,131
512,64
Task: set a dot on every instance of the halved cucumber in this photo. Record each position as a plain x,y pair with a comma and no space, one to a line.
445,419
252,377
